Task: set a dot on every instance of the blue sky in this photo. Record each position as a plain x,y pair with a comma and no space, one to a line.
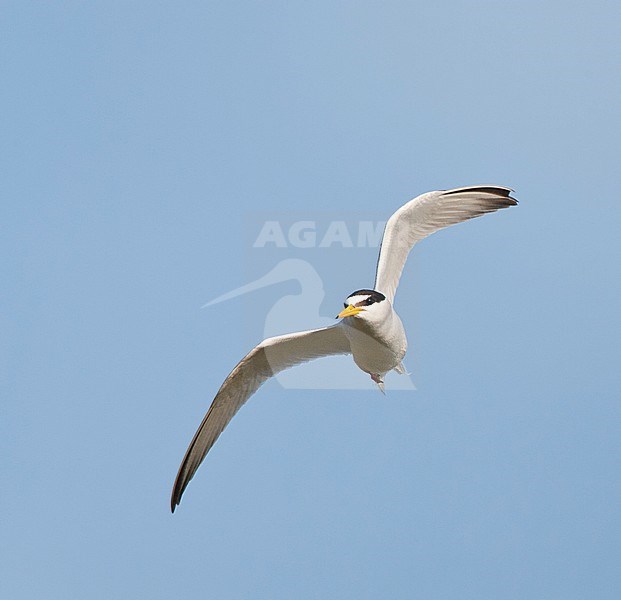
141,142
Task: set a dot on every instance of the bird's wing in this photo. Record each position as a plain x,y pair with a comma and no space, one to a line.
425,215
269,358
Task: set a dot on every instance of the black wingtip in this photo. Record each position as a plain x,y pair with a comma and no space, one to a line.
175,499
496,190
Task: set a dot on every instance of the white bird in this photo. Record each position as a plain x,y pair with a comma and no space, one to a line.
370,330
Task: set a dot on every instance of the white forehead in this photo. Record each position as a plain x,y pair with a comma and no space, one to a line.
357,298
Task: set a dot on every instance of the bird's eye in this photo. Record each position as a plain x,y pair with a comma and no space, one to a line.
369,301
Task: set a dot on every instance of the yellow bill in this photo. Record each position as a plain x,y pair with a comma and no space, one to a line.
350,311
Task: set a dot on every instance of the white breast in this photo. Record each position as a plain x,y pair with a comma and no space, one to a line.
376,347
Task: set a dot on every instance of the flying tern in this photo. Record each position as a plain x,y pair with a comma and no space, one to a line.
369,328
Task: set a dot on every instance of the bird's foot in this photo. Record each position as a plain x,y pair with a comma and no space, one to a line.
380,383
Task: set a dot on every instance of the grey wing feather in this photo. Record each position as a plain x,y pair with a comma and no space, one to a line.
425,215
269,358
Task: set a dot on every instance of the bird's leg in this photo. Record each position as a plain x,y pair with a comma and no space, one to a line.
380,383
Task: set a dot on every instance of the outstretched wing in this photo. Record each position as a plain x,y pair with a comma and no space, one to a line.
425,215
270,357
